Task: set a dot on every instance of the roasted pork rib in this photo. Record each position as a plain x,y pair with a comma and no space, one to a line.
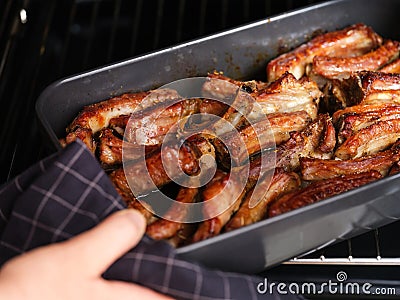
351,41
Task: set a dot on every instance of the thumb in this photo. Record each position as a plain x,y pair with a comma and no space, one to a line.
99,247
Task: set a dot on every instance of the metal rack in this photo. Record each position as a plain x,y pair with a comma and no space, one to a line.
42,41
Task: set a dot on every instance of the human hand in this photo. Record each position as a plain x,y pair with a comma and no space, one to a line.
72,269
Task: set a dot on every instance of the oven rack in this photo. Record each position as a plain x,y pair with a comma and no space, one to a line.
347,257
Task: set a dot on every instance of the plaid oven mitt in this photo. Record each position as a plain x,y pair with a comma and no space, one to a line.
68,193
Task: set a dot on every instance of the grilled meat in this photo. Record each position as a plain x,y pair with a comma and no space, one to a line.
370,140
287,94
351,41
222,198
97,116
365,88
110,149
265,193
84,134
395,168
355,118
317,140
317,169
223,88
166,228
393,67
173,158
342,67
121,185
264,134
319,190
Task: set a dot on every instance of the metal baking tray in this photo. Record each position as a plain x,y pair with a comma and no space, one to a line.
242,53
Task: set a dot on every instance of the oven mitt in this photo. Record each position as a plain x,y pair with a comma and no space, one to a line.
68,193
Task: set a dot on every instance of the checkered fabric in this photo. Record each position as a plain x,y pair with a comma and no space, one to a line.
68,193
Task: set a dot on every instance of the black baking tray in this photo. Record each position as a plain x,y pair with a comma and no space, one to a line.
242,53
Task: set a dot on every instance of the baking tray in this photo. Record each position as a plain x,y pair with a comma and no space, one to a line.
243,53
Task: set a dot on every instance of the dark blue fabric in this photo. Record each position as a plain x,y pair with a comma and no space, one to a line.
69,193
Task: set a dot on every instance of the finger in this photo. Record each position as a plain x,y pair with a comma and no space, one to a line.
96,249
123,290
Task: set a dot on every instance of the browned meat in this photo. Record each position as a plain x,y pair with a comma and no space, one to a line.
342,67
319,190
222,198
187,159
351,41
98,115
222,88
119,123
370,109
393,67
264,193
361,116
395,168
165,228
370,140
121,185
84,134
316,140
183,236
287,94
264,134
110,149
317,169
150,126
366,88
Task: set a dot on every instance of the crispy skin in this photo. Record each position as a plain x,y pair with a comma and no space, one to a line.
353,119
351,41
316,140
319,190
370,140
342,67
287,94
317,169
393,67
164,228
229,195
281,183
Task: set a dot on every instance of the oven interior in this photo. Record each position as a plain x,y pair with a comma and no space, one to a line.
42,41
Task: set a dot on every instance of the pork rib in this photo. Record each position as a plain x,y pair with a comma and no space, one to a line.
319,190
351,41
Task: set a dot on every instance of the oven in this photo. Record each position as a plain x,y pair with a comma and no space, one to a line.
42,41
